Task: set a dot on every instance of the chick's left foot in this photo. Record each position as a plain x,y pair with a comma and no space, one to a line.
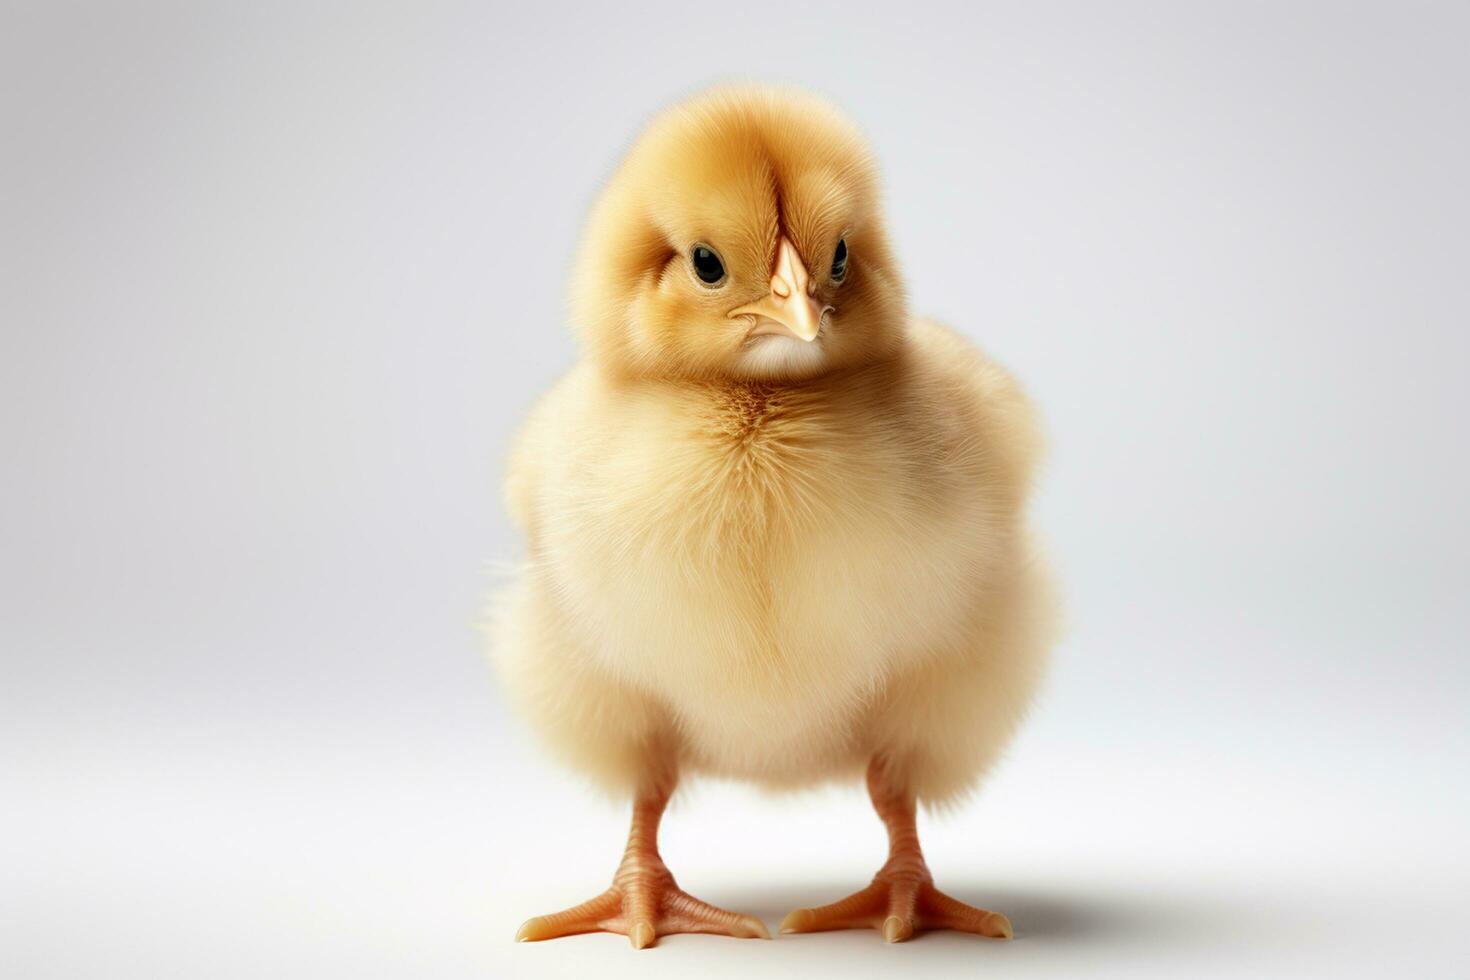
643,905
899,905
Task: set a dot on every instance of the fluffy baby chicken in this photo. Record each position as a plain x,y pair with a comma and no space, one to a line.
775,525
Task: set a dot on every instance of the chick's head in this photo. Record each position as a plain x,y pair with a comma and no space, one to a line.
740,237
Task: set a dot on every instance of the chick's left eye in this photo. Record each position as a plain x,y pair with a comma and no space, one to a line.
839,261
707,265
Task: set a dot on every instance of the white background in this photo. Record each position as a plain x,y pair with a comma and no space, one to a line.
278,280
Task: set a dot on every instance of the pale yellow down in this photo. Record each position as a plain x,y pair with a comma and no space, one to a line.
750,555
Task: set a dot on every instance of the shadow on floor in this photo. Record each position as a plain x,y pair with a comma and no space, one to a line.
1090,913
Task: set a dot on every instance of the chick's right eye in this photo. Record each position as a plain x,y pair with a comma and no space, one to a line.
707,265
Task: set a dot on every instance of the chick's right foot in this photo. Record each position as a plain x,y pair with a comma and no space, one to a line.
643,904
898,906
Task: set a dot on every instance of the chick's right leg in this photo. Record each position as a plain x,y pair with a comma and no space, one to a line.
902,897
644,901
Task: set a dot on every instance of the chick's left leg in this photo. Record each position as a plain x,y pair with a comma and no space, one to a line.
644,901
902,898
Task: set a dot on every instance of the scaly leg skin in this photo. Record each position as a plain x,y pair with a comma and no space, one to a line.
644,902
902,898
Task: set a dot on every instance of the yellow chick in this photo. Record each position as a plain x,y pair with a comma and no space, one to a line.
775,525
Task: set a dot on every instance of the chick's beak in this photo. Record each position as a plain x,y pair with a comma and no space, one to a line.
790,309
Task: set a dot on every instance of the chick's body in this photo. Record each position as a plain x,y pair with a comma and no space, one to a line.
755,553
780,581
